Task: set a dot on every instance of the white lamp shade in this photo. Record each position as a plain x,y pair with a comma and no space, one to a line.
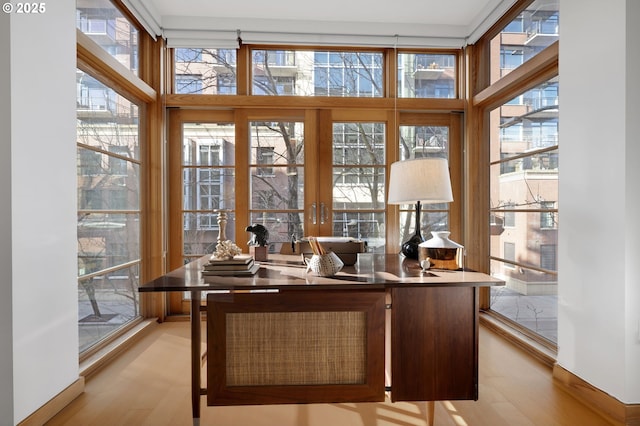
422,179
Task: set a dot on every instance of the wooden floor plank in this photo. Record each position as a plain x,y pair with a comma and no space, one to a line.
150,385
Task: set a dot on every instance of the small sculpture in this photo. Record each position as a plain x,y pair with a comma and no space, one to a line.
226,250
260,235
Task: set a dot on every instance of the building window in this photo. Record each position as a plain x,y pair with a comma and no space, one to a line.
264,155
548,217
509,254
188,84
548,256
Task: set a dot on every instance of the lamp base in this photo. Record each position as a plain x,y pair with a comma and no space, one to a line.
410,247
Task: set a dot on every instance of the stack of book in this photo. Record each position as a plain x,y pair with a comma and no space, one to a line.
242,264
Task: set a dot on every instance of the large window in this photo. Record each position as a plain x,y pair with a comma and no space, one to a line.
524,199
108,211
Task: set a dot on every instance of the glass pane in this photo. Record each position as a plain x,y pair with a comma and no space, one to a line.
365,226
108,181
209,188
201,232
529,298
419,142
424,141
527,123
430,221
524,206
277,188
283,227
107,26
106,303
277,165
317,73
106,120
426,75
359,192
525,183
205,71
208,171
528,34
106,241
358,143
358,188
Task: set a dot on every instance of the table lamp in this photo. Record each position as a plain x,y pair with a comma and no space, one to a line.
419,181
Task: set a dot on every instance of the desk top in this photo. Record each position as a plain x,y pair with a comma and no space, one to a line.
286,271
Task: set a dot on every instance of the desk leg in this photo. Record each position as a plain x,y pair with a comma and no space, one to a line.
195,356
431,412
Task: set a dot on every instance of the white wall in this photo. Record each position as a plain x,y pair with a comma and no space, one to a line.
6,318
43,286
632,202
598,303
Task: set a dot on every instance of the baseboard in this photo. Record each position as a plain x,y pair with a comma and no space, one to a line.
57,403
609,407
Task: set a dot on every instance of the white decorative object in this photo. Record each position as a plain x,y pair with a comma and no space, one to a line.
226,249
324,265
441,252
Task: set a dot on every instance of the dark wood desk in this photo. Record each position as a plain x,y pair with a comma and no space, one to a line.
423,326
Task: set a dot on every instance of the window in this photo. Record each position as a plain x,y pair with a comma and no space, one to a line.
509,215
548,256
205,71
359,165
524,189
108,217
188,84
509,253
417,141
534,29
277,195
107,26
548,217
317,73
264,155
208,178
426,75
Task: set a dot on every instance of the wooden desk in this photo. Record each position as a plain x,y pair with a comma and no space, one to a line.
430,335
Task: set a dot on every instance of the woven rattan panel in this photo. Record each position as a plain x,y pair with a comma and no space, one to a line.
293,348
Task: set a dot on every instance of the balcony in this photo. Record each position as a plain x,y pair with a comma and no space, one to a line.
428,73
102,31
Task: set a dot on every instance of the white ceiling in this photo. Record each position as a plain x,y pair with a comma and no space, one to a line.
445,22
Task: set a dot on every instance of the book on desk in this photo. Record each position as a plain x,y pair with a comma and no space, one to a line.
238,265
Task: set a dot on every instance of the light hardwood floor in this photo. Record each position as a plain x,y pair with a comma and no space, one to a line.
150,385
